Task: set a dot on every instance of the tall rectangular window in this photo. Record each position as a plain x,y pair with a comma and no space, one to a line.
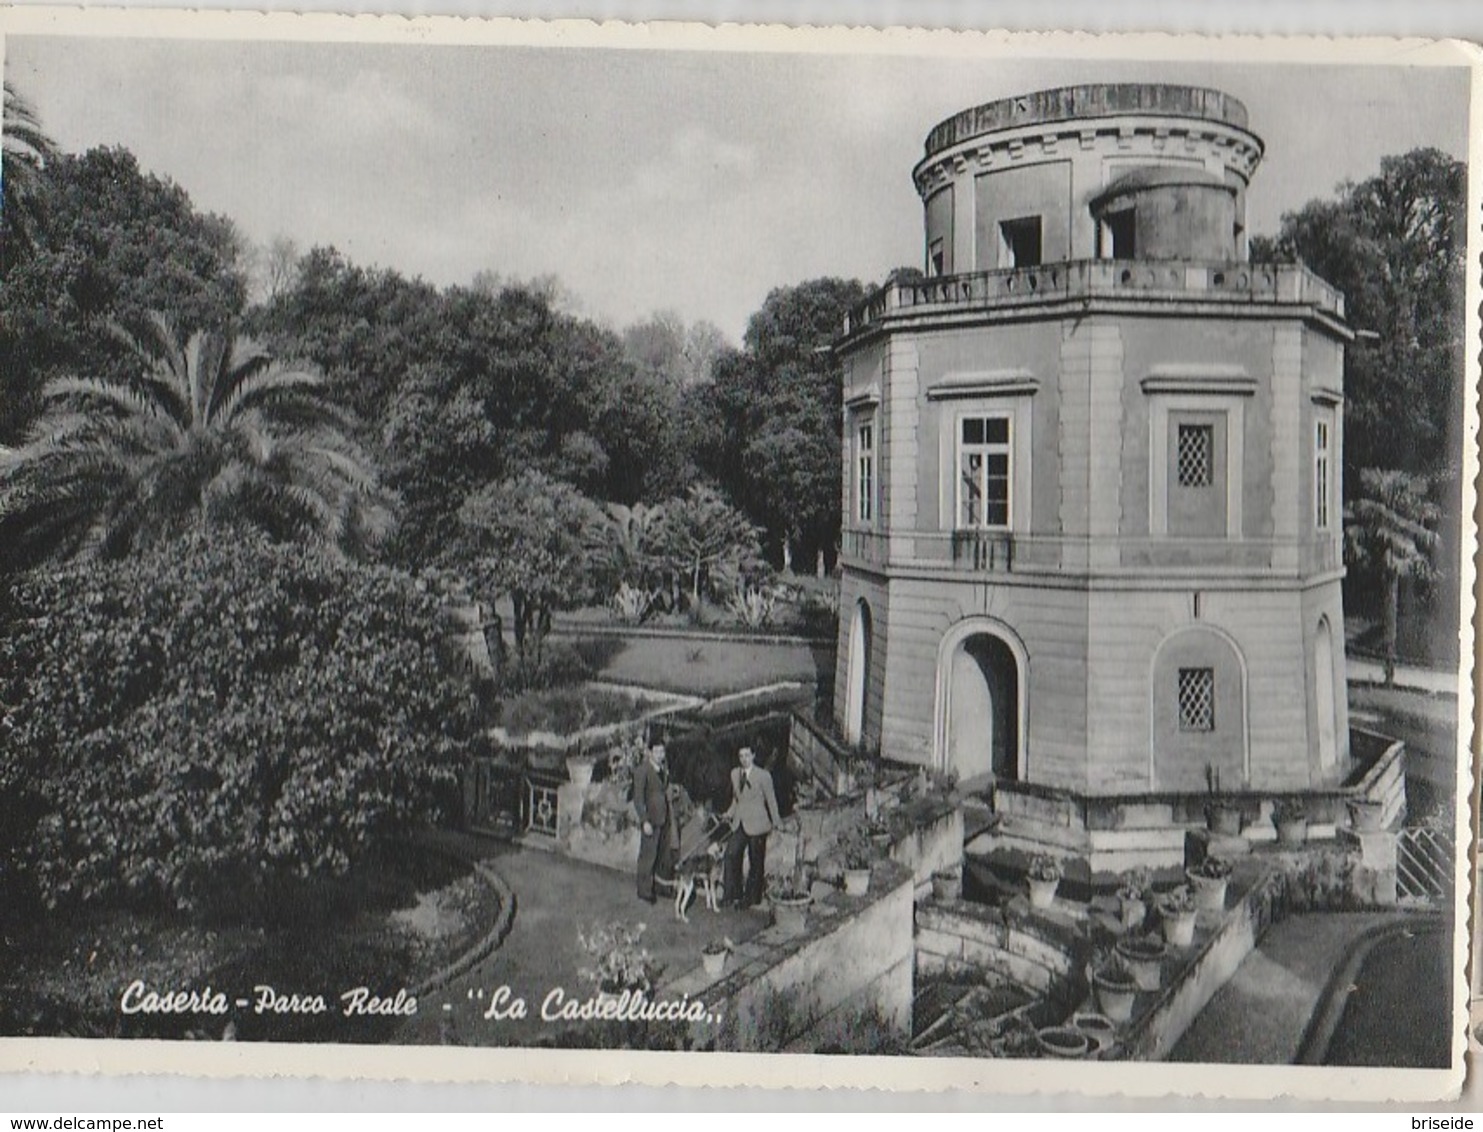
1019,242
1321,491
1197,699
936,261
983,472
865,471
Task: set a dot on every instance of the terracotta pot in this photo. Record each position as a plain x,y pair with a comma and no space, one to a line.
1223,819
1062,1041
1292,832
714,962
1100,1028
1210,894
790,912
1179,928
1144,959
1366,816
1043,892
1116,997
856,882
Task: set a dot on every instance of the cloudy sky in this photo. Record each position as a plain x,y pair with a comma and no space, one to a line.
645,179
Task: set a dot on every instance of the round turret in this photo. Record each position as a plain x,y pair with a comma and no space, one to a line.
1098,171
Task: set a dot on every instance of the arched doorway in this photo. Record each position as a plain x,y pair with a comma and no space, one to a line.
1323,695
980,706
857,673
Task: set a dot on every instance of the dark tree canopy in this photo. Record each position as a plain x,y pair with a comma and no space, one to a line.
1395,244
115,243
768,422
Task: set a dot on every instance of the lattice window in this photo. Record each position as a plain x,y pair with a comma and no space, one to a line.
1196,455
1197,699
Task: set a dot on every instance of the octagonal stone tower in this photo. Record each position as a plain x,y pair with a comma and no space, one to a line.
1092,537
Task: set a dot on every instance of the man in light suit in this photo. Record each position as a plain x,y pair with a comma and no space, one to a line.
656,827
753,814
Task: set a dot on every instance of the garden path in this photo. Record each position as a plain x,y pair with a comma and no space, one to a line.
554,896
1261,1015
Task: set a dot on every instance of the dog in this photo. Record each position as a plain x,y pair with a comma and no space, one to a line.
703,875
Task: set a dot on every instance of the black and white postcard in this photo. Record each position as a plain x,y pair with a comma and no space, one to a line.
664,553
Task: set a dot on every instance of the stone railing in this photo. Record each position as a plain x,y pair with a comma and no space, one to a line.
1003,552
1287,284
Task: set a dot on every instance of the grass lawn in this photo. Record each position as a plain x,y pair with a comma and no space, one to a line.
712,668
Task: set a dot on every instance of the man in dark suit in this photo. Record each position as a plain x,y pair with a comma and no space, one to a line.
656,827
753,814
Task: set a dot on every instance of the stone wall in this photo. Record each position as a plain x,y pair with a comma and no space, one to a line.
843,985
934,842
1031,952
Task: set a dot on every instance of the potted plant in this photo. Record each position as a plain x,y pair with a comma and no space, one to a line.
1208,881
713,956
790,897
1117,989
620,961
1143,957
855,856
1131,903
947,885
1062,1041
1290,818
1177,910
879,831
1366,815
1044,876
1222,815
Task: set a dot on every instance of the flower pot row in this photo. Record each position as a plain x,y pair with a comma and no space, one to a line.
1290,819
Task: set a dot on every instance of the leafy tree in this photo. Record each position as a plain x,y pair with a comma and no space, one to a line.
1395,244
532,539
27,149
214,430
700,534
1389,527
767,424
119,244
194,721
629,546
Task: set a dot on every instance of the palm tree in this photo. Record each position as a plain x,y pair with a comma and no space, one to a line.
213,430
1389,528
26,150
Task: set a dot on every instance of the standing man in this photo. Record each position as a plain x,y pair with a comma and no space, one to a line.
651,802
753,814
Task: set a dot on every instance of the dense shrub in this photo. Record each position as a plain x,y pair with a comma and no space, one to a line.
213,715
